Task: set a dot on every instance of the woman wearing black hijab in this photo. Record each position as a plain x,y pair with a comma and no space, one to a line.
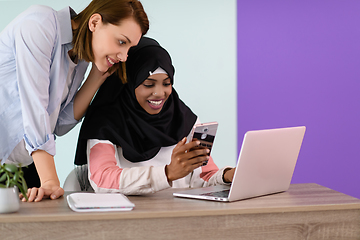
133,138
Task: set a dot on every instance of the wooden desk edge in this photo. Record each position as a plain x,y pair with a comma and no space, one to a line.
72,216
69,215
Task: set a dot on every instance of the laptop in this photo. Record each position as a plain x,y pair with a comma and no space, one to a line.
265,166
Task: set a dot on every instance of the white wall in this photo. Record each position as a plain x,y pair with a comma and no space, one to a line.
201,38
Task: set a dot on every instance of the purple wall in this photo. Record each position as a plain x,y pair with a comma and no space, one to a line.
299,64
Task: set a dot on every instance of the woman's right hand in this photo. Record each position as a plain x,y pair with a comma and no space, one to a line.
184,161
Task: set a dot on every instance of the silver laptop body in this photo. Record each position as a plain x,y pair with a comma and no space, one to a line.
265,165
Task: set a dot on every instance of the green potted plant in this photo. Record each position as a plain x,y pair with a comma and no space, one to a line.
11,182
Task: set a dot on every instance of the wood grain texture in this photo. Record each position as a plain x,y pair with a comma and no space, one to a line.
305,211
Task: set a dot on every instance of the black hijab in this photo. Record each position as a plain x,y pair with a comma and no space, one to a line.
116,115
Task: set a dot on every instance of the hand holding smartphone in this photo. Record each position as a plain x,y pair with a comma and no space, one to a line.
205,133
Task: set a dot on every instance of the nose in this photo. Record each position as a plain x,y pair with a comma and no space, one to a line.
159,92
122,57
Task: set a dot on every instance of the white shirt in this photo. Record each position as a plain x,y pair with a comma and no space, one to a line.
19,153
34,66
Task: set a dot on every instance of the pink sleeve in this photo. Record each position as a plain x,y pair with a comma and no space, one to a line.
209,170
102,165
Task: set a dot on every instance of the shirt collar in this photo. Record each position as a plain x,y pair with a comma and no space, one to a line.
64,18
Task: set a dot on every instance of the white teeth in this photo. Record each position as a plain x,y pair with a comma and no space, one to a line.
155,102
110,61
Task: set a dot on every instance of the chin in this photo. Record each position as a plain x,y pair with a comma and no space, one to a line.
157,112
153,112
101,68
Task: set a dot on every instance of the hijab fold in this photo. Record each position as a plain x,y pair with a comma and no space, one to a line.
115,114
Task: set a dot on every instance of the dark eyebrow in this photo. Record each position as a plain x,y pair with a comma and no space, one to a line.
156,80
126,38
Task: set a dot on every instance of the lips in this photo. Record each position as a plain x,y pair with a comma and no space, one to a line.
110,61
156,104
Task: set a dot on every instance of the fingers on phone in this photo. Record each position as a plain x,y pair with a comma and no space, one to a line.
199,160
190,146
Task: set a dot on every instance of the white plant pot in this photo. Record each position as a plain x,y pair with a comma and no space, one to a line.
9,200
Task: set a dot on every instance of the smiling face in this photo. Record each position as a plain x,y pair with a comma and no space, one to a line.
153,92
111,43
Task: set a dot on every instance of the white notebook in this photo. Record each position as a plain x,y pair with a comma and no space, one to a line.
99,202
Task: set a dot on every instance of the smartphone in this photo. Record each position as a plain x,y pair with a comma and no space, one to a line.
205,133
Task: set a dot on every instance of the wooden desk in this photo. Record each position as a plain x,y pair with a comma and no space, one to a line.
306,211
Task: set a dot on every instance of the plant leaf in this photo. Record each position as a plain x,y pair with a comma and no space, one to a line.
24,185
3,177
8,181
11,168
16,177
22,191
11,176
12,183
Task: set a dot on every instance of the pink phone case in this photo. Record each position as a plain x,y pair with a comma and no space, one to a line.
205,133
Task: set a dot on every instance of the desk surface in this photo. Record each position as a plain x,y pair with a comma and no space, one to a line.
305,211
300,197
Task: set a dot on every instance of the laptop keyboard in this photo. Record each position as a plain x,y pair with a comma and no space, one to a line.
223,194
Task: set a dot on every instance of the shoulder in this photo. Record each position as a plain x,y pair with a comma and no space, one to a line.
36,23
40,9
38,15
38,12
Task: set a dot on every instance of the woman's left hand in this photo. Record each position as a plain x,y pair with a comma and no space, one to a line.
87,91
229,174
47,190
97,75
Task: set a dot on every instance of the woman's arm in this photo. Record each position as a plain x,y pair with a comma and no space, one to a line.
50,184
87,91
34,42
75,110
105,175
207,177
228,175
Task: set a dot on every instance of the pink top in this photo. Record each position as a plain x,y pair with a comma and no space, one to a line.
109,171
